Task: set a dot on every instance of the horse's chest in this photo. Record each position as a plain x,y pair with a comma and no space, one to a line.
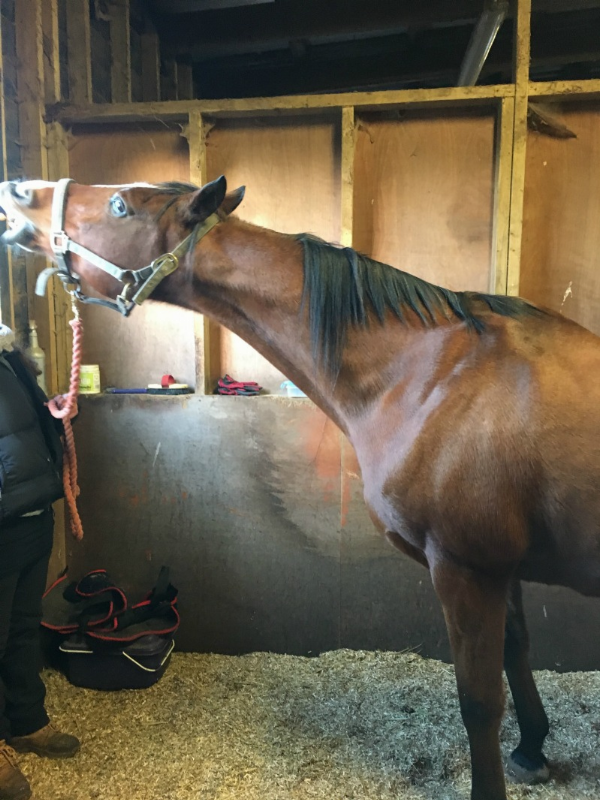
391,501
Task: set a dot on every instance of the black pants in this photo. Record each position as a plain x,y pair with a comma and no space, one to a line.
22,690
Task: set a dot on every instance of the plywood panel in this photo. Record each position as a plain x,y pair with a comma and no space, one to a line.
155,339
291,169
423,194
560,265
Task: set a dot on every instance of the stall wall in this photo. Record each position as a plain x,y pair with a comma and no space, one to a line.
291,169
256,503
423,192
560,264
155,339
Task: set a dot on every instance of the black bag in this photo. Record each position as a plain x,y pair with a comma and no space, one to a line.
102,642
136,666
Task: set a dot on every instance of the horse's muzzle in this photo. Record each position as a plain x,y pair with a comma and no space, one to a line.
20,230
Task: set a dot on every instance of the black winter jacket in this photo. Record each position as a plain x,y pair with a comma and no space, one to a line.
30,446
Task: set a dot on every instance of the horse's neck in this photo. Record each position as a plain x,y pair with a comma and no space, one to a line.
258,297
259,300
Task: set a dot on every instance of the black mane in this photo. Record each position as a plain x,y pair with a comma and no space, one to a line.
341,286
176,189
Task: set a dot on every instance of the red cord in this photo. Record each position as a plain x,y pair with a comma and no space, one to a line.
64,406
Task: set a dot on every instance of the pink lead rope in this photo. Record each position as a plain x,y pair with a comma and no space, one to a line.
64,406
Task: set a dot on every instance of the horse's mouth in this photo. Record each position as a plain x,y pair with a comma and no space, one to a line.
20,232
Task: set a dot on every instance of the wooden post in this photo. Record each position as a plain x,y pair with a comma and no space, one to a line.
504,132
79,51
168,79
206,332
522,58
7,312
32,132
120,62
185,81
150,66
33,87
14,272
51,54
347,175
43,154
58,167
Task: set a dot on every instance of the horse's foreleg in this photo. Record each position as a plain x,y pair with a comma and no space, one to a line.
475,610
527,762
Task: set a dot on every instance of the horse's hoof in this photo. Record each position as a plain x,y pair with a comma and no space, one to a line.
527,770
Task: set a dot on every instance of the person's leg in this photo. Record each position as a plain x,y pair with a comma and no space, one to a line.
8,585
13,784
21,663
20,672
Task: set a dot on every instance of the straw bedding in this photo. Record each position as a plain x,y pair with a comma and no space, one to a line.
344,726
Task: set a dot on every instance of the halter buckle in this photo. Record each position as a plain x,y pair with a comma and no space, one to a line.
58,241
124,304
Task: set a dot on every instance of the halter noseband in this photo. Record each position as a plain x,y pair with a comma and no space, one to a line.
141,282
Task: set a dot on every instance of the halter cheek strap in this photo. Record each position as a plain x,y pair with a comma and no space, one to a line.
141,282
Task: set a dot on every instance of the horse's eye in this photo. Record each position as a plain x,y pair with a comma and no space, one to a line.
117,206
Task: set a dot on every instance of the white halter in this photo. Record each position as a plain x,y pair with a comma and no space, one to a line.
141,281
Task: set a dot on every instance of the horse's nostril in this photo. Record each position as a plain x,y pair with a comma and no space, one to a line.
23,196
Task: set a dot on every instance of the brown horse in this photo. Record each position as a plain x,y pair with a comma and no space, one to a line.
474,417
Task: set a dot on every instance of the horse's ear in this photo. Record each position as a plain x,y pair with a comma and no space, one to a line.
205,201
233,199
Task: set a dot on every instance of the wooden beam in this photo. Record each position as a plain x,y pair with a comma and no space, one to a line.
502,194
522,58
150,66
206,332
347,175
120,62
79,51
177,110
51,54
565,90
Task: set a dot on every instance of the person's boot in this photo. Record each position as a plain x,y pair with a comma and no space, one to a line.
13,784
47,742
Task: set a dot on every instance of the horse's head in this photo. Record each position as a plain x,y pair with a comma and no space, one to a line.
128,226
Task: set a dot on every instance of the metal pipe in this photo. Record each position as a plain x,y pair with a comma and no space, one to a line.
481,41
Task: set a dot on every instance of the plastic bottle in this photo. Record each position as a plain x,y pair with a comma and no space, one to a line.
36,354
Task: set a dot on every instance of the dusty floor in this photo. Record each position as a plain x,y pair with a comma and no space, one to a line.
345,726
